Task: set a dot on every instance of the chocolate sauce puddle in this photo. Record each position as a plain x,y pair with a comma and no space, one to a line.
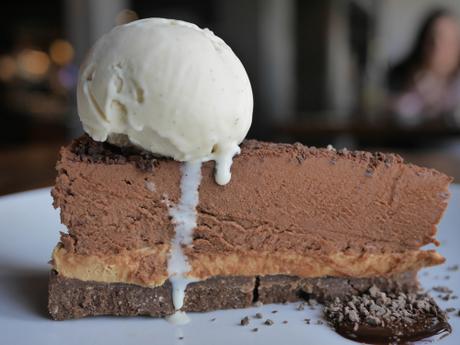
400,335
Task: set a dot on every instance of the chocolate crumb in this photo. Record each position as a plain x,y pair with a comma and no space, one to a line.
453,268
443,336
258,316
373,321
373,291
87,150
443,289
254,330
458,313
244,321
449,310
268,322
307,321
213,319
401,315
274,311
285,322
353,316
180,338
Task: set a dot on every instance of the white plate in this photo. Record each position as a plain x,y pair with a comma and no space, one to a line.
29,230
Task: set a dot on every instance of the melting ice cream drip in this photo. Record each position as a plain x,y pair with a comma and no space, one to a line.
224,160
184,216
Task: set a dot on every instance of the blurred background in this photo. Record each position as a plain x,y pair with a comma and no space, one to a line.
379,75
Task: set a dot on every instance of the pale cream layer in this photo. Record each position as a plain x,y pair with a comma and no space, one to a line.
148,267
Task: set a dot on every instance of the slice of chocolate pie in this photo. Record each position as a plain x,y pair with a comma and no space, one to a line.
157,225
293,220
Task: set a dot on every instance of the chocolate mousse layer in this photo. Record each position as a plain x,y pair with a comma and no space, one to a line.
288,210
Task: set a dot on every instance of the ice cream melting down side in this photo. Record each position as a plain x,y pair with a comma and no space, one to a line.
184,217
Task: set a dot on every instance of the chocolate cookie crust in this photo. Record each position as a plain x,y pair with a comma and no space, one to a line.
73,298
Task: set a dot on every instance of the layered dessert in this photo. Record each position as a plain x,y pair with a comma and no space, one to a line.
156,224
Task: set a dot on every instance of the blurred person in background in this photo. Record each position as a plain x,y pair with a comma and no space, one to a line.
424,88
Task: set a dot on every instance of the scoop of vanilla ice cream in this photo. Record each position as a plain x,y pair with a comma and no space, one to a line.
168,87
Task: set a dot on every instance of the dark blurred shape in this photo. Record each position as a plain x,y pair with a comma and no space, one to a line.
34,102
312,28
425,86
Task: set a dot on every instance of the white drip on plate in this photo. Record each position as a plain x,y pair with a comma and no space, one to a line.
184,216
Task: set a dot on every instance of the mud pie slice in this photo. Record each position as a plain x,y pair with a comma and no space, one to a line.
293,220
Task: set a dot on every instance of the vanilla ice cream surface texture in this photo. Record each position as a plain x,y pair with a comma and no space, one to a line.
168,87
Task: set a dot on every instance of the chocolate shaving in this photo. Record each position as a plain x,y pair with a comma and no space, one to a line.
258,316
376,316
443,289
244,321
268,322
87,150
